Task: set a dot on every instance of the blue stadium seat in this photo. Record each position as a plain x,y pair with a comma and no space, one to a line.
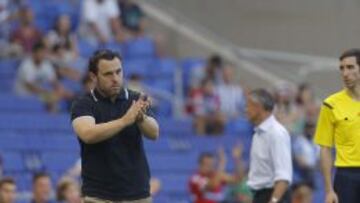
59,161
172,162
137,66
13,161
86,49
8,67
141,47
12,103
164,68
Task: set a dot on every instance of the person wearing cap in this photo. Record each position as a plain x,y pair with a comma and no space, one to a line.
109,122
339,127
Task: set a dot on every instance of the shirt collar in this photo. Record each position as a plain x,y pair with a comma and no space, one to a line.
265,125
123,95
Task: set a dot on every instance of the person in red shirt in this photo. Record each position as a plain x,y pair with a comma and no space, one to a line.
208,183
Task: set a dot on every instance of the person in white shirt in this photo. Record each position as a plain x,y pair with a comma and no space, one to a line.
232,99
100,20
270,156
37,76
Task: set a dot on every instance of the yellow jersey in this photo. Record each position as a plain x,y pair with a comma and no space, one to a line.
339,125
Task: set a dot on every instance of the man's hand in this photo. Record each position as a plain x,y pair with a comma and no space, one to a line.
331,197
133,112
145,106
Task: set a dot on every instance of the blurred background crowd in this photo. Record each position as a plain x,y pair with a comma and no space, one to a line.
200,104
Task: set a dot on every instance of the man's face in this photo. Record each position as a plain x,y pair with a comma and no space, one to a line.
42,189
350,72
110,77
39,56
207,165
8,193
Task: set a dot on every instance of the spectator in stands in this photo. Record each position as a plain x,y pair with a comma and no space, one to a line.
306,107
301,193
7,14
63,36
36,74
232,98
239,192
306,154
285,109
63,65
7,190
26,34
206,107
41,188
100,21
212,71
270,158
207,184
68,191
132,17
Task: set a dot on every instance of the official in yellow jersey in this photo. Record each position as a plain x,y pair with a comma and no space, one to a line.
339,126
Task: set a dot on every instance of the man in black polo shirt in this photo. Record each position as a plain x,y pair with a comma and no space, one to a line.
109,122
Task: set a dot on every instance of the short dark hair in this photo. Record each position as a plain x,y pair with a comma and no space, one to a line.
204,155
216,60
351,53
7,180
264,98
105,54
39,175
39,45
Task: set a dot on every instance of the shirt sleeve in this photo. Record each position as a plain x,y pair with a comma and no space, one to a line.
325,126
197,185
89,13
50,71
113,9
281,156
25,72
82,107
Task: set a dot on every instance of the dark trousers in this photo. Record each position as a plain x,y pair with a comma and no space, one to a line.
264,196
347,185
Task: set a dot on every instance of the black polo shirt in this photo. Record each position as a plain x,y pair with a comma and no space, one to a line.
115,169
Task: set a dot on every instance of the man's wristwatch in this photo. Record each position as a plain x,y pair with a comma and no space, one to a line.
274,200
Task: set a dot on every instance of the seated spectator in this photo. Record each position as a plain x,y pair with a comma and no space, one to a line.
26,35
7,190
206,107
41,188
306,154
208,183
100,21
212,71
61,35
64,54
239,192
285,108
68,191
36,75
232,98
7,14
301,193
62,64
132,17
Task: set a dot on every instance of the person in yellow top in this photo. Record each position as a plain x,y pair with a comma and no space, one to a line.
339,126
